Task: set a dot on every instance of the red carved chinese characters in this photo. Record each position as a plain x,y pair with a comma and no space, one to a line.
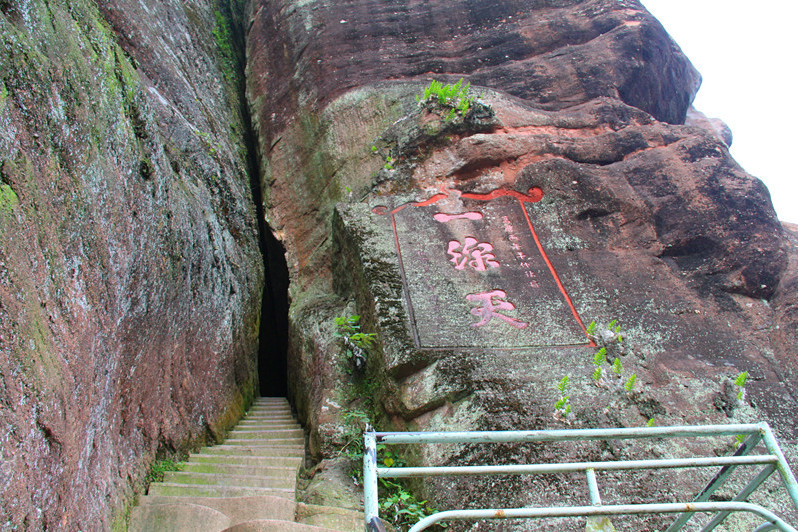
478,255
491,302
443,217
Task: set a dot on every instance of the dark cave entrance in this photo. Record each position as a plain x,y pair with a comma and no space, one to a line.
272,361
273,334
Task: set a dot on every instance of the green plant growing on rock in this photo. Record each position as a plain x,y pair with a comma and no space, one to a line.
630,383
598,360
617,367
389,162
740,383
453,99
159,467
398,505
562,408
356,342
614,327
355,422
401,508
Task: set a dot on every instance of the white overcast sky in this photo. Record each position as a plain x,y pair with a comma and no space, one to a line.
746,53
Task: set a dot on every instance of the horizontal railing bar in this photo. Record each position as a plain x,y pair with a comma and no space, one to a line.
583,511
512,436
574,467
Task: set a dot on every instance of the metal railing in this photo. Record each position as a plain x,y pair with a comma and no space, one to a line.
754,435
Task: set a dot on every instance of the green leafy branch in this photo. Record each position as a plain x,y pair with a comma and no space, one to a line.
356,342
740,383
562,407
401,508
608,340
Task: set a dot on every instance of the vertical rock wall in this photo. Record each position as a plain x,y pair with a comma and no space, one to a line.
130,272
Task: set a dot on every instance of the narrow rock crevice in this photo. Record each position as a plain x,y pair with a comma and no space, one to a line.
273,334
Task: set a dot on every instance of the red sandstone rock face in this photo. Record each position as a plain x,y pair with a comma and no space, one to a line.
555,54
130,273
647,220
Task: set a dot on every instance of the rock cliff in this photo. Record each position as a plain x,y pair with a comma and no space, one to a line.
130,268
578,114
477,244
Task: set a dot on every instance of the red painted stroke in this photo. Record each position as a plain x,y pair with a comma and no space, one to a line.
557,280
533,195
434,199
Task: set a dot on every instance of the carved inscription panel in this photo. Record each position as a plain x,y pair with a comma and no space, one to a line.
476,275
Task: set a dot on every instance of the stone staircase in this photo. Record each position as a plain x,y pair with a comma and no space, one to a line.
244,485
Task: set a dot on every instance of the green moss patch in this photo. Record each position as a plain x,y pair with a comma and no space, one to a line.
8,199
3,95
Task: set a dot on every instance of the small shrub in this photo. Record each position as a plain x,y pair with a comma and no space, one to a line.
562,407
453,98
159,467
401,508
355,341
740,383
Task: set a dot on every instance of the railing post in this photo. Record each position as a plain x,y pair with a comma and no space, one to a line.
592,486
370,496
784,469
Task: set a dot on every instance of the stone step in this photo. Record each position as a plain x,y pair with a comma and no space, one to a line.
189,490
245,484
179,517
239,469
298,443
342,519
275,434
273,525
215,479
238,509
276,409
270,419
256,450
251,460
266,425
